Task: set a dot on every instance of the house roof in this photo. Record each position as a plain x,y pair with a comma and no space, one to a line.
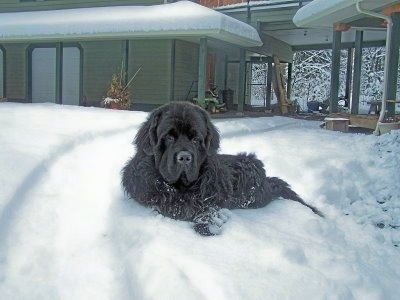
324,13
174,20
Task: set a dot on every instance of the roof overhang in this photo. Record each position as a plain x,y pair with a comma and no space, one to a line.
174,20
325,13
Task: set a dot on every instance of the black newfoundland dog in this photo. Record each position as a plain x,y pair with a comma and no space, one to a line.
177,171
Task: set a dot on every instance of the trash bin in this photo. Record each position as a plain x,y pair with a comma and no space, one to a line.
313,106
227,98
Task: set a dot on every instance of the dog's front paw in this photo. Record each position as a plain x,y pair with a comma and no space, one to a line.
210,223
207,229
223,215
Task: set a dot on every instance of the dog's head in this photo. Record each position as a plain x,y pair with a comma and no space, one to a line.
180,136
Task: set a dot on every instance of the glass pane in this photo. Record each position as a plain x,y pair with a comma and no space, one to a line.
1,74
44,75
71,76
258,95
259,73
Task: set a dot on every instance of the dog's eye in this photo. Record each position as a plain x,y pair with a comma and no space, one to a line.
195,140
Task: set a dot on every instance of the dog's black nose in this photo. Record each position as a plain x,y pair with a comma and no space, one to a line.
184,157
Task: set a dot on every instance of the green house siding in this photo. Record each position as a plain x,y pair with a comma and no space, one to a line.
150,86
152,83
220,66
186,69
168,70
16,70
100,60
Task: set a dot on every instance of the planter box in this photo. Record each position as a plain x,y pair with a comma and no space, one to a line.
337,124
387,127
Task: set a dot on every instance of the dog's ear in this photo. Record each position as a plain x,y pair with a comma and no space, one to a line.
146,137
212,138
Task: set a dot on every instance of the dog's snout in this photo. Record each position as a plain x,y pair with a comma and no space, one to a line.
184,157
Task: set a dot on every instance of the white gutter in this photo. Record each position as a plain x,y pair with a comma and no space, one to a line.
325,13
386,74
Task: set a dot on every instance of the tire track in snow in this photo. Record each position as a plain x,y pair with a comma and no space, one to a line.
226,133
20,198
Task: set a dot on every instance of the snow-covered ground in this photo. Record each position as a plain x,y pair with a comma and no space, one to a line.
68,232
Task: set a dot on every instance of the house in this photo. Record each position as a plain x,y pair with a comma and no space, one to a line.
66,51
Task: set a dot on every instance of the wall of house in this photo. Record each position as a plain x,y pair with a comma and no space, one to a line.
220,69
16,70
100,60
186,70
150,87
153,82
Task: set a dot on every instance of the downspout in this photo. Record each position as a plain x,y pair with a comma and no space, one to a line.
385,78
242,71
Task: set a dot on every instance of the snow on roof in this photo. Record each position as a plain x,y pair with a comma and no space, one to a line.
183,18
324,13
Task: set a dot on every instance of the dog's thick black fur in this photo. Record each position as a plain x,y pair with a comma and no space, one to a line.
177,171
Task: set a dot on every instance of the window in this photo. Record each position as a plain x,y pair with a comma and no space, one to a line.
2,73
43,75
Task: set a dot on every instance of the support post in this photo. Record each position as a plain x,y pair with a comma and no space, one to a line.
226,72
172,76
390,45
355,99
392,54
289,80
59,72
201,86
242,82
125,66
349,71
269,85
334,91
